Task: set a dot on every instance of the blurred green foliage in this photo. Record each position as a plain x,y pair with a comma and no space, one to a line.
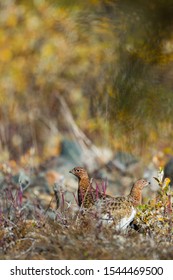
111,60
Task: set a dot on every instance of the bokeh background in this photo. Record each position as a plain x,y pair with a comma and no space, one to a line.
110,61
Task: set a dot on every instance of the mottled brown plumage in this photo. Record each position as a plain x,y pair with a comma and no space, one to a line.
87,195
119,211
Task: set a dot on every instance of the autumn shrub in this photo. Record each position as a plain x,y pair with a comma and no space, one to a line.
156,217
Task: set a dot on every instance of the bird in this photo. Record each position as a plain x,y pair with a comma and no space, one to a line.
87,195
118,212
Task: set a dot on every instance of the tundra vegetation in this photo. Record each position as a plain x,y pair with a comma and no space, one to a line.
96,74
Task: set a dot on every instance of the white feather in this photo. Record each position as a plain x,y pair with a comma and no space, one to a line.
107,219
124,222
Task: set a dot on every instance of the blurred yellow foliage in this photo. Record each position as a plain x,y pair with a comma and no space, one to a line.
90,56
42,51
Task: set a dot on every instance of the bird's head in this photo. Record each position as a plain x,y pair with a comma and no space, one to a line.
79,172
141,183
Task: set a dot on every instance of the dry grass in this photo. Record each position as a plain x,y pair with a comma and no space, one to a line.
27,231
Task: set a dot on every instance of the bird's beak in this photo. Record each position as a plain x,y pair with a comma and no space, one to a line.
71,171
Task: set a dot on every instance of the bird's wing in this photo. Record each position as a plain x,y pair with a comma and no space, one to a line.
117,211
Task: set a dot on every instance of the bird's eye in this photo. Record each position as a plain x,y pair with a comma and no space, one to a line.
77,170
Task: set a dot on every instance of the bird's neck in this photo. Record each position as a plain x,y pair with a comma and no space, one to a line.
136,195
84,183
